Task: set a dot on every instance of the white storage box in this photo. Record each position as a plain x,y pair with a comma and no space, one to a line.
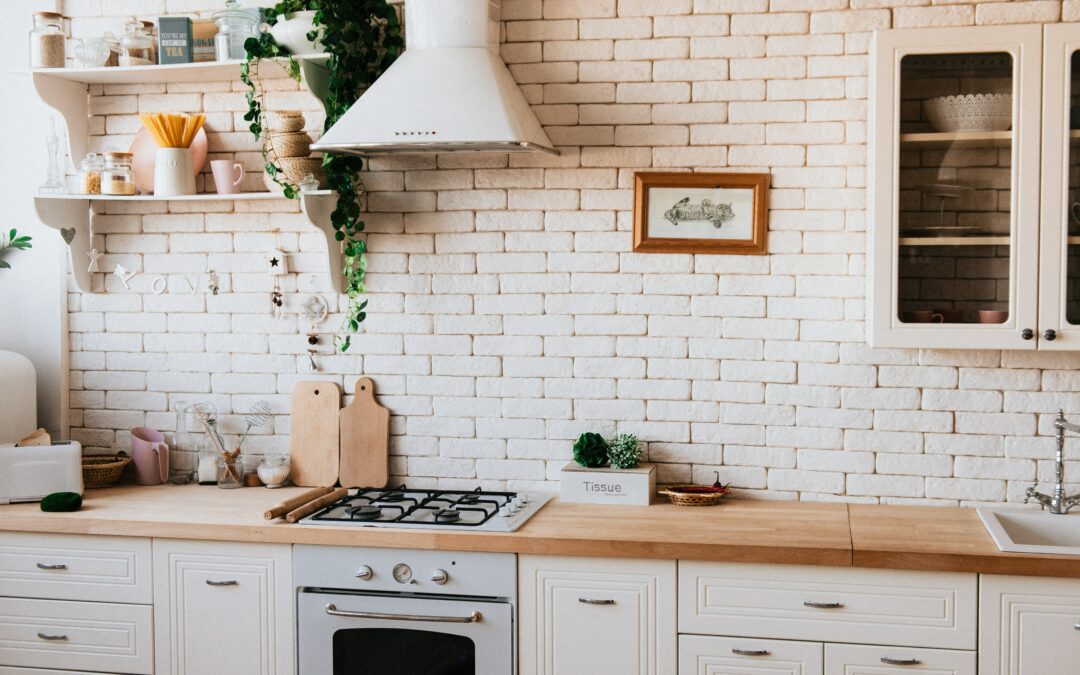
606,485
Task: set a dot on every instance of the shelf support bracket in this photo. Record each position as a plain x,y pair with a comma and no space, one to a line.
317,209
69,99
71,215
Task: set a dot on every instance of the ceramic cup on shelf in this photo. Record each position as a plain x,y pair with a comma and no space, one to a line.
227,176
993,316
150,453
173,173
921,316
950,314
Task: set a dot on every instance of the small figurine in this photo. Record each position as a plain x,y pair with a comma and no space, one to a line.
124,274
212,282
94,256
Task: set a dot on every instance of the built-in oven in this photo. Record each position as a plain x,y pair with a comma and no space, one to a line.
404,612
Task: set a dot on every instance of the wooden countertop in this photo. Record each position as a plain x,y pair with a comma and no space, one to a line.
924,538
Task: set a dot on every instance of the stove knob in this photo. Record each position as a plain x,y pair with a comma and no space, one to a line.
523,498
440,577
364,573
505,511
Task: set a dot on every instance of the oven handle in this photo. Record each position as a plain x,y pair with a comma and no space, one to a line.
332,610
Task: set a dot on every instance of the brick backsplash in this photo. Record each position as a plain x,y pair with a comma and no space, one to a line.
508,314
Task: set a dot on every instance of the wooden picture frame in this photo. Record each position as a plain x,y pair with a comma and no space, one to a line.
666,201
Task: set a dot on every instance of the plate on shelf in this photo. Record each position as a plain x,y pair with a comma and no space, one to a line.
144,148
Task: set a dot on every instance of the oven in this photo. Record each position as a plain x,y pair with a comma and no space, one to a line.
404,612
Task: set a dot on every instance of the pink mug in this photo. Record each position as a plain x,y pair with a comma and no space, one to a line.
151,455
227,176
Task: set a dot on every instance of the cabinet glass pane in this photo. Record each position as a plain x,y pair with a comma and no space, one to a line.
955,188
1072,288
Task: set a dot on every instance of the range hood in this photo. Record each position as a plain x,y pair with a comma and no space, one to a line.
449,91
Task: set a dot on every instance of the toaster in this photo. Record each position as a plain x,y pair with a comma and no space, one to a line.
30,473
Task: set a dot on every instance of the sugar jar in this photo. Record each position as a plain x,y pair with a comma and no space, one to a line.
137,47
235,25
47,40
117,178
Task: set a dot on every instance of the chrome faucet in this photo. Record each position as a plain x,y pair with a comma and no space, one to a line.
1059,503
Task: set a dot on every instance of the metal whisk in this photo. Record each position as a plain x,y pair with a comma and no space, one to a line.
260,413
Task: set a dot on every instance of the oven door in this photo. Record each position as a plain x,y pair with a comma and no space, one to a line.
349,633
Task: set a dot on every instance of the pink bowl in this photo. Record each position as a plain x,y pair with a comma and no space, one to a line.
144,148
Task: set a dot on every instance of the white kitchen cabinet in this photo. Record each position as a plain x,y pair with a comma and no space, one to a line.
223,608
707,655
967,248
1029,626
596,615
875,660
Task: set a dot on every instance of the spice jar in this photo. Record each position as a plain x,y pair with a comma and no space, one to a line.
47,40
90,174
235,25
114,50
274,470
117,178
136,46
151,29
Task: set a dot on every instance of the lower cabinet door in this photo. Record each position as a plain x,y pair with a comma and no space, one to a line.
873,660
706,655
596,615
1029,626
223,608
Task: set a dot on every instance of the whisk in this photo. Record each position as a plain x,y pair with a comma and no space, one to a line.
260,413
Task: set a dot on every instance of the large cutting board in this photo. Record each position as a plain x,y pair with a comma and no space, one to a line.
365,440
314,442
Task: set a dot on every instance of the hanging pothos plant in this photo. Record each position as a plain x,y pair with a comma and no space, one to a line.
363,37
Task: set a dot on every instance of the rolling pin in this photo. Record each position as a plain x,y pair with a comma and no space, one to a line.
312,507
281,508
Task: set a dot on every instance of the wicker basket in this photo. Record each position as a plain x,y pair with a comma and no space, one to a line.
103,471
294,169
285,121
679,498
287,145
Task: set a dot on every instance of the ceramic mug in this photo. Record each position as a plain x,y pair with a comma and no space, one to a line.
921,316
1074,212
950,314
993,316
227,176
150,453
173,173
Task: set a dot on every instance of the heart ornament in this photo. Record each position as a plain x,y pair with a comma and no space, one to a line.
68,233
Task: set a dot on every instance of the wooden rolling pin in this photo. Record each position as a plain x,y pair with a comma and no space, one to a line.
312,507
281,508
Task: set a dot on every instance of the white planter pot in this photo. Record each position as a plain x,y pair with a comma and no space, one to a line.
291,33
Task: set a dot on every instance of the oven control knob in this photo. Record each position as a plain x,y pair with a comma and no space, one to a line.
364,573
440,577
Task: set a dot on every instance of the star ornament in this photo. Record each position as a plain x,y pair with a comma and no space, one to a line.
124,274
94,256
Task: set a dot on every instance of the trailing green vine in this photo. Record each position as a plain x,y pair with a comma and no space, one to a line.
363,37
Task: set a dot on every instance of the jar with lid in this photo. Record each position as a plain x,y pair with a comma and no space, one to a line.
274,470
235,25
117,178
150,28
90,174
137,46
47,40
114,50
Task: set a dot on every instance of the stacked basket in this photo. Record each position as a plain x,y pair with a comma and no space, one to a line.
290,148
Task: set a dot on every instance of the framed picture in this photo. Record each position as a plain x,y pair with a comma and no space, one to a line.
701,212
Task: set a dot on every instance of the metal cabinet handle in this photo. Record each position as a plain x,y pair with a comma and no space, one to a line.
1050,334
822,605
749,652
1027,334
230,582
900,662
46,566
52,638
1076,626
475,617
596,601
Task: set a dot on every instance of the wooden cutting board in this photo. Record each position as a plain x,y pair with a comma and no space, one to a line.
314,443
365,440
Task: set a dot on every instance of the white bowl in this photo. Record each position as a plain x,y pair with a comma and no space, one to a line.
970,112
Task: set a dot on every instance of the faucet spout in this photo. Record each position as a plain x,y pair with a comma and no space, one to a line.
1058,503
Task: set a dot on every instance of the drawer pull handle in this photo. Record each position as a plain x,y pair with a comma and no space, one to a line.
52,638
749,652
231,582
900,662
1076,626
46,566
596,601
823,605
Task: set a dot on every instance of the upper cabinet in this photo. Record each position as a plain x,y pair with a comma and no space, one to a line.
968,248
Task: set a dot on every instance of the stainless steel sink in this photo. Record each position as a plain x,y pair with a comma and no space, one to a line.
1023,531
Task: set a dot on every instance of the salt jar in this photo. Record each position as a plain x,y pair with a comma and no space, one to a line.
47,40
117,178
274,470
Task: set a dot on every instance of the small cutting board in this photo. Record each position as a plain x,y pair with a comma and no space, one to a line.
365,440
314,442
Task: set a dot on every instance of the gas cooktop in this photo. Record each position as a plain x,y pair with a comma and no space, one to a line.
405,507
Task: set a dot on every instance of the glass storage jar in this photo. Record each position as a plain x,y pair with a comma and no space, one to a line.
47,40
230,473
117,178
235,25
90,174
274,470
137,46
113,43
150,28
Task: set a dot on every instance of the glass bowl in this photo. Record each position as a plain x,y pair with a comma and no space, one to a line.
92,52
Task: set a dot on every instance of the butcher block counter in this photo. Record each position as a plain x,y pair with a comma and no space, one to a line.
893,537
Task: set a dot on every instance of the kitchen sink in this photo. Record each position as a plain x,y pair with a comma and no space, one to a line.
1023,531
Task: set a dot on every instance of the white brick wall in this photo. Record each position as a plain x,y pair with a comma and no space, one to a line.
507,314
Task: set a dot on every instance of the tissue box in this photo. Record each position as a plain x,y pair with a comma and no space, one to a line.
606,485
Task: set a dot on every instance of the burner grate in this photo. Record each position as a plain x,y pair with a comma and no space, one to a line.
405,505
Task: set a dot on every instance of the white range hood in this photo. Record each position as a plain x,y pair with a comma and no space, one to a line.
449,91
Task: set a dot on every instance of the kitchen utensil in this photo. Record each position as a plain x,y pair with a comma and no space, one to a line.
28,474
921,316
150,453
260,413
286,505
227,176
172,172
950,314
970,112
365,439
102,471
144,149
92,52
993,316
313,506
314,439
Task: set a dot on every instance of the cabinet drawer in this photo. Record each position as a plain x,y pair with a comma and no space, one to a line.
828,604
93,636
871,660
704,655
11,670
75,567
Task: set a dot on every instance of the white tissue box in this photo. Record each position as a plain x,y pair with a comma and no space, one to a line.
605,485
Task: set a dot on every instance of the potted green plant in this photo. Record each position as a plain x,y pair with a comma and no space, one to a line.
13,242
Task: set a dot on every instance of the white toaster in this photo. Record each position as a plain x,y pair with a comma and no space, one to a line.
28,474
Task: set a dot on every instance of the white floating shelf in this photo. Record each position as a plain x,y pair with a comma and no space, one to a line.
958,139
202,197
208,71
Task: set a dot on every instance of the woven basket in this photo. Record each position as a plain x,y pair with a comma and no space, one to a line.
103,471
693,498
287,145
293,170
285,121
